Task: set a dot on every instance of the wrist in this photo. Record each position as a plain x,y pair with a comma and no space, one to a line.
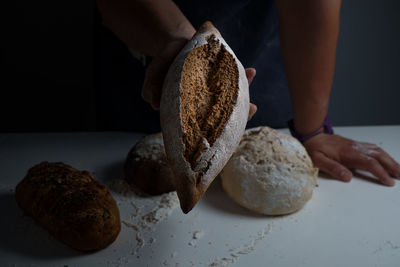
310,112
174,43
184,30
166,55
325,127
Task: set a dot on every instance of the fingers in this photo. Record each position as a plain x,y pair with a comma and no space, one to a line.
335,155
371,150
250,74
392,167
252,111
157,70
331,167
365,162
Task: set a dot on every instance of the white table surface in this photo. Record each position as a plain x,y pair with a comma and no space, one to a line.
344,224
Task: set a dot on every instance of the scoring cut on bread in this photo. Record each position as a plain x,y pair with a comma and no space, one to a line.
204,109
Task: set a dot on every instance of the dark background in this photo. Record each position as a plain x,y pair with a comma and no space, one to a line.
47,66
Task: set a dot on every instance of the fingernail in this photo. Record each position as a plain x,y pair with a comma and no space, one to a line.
389,182
344,175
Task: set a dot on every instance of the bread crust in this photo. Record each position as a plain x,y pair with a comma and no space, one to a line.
270,173
146,166
70,204
190,185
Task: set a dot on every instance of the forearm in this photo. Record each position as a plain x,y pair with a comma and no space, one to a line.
145,26
309,32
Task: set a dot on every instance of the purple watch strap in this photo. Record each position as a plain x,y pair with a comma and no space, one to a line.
326,127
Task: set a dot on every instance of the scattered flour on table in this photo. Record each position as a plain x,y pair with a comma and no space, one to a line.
141,212
393,246
120,262
198,234
242,250
387,244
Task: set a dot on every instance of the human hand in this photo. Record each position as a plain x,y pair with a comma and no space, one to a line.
250,74
158,68
335,155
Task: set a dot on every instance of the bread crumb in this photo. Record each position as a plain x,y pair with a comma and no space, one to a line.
198,234
130,225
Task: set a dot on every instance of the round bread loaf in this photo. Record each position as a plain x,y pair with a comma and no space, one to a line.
146,166
270,173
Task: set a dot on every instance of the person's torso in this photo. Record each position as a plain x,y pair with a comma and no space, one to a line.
251,30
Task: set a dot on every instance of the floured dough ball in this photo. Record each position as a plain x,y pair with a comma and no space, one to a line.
146,166
270,173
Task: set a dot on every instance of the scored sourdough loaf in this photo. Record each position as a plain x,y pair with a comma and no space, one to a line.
70,204
204,109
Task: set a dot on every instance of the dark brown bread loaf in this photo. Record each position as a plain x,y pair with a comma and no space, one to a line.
70,204
146,166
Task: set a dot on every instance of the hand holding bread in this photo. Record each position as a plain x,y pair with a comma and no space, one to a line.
158,68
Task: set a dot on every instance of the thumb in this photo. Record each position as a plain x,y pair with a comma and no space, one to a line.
252,111
157,70
153,81
250,74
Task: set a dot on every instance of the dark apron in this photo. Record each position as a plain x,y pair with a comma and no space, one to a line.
249,27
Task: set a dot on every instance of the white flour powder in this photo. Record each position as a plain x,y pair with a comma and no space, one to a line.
242,250
145,211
